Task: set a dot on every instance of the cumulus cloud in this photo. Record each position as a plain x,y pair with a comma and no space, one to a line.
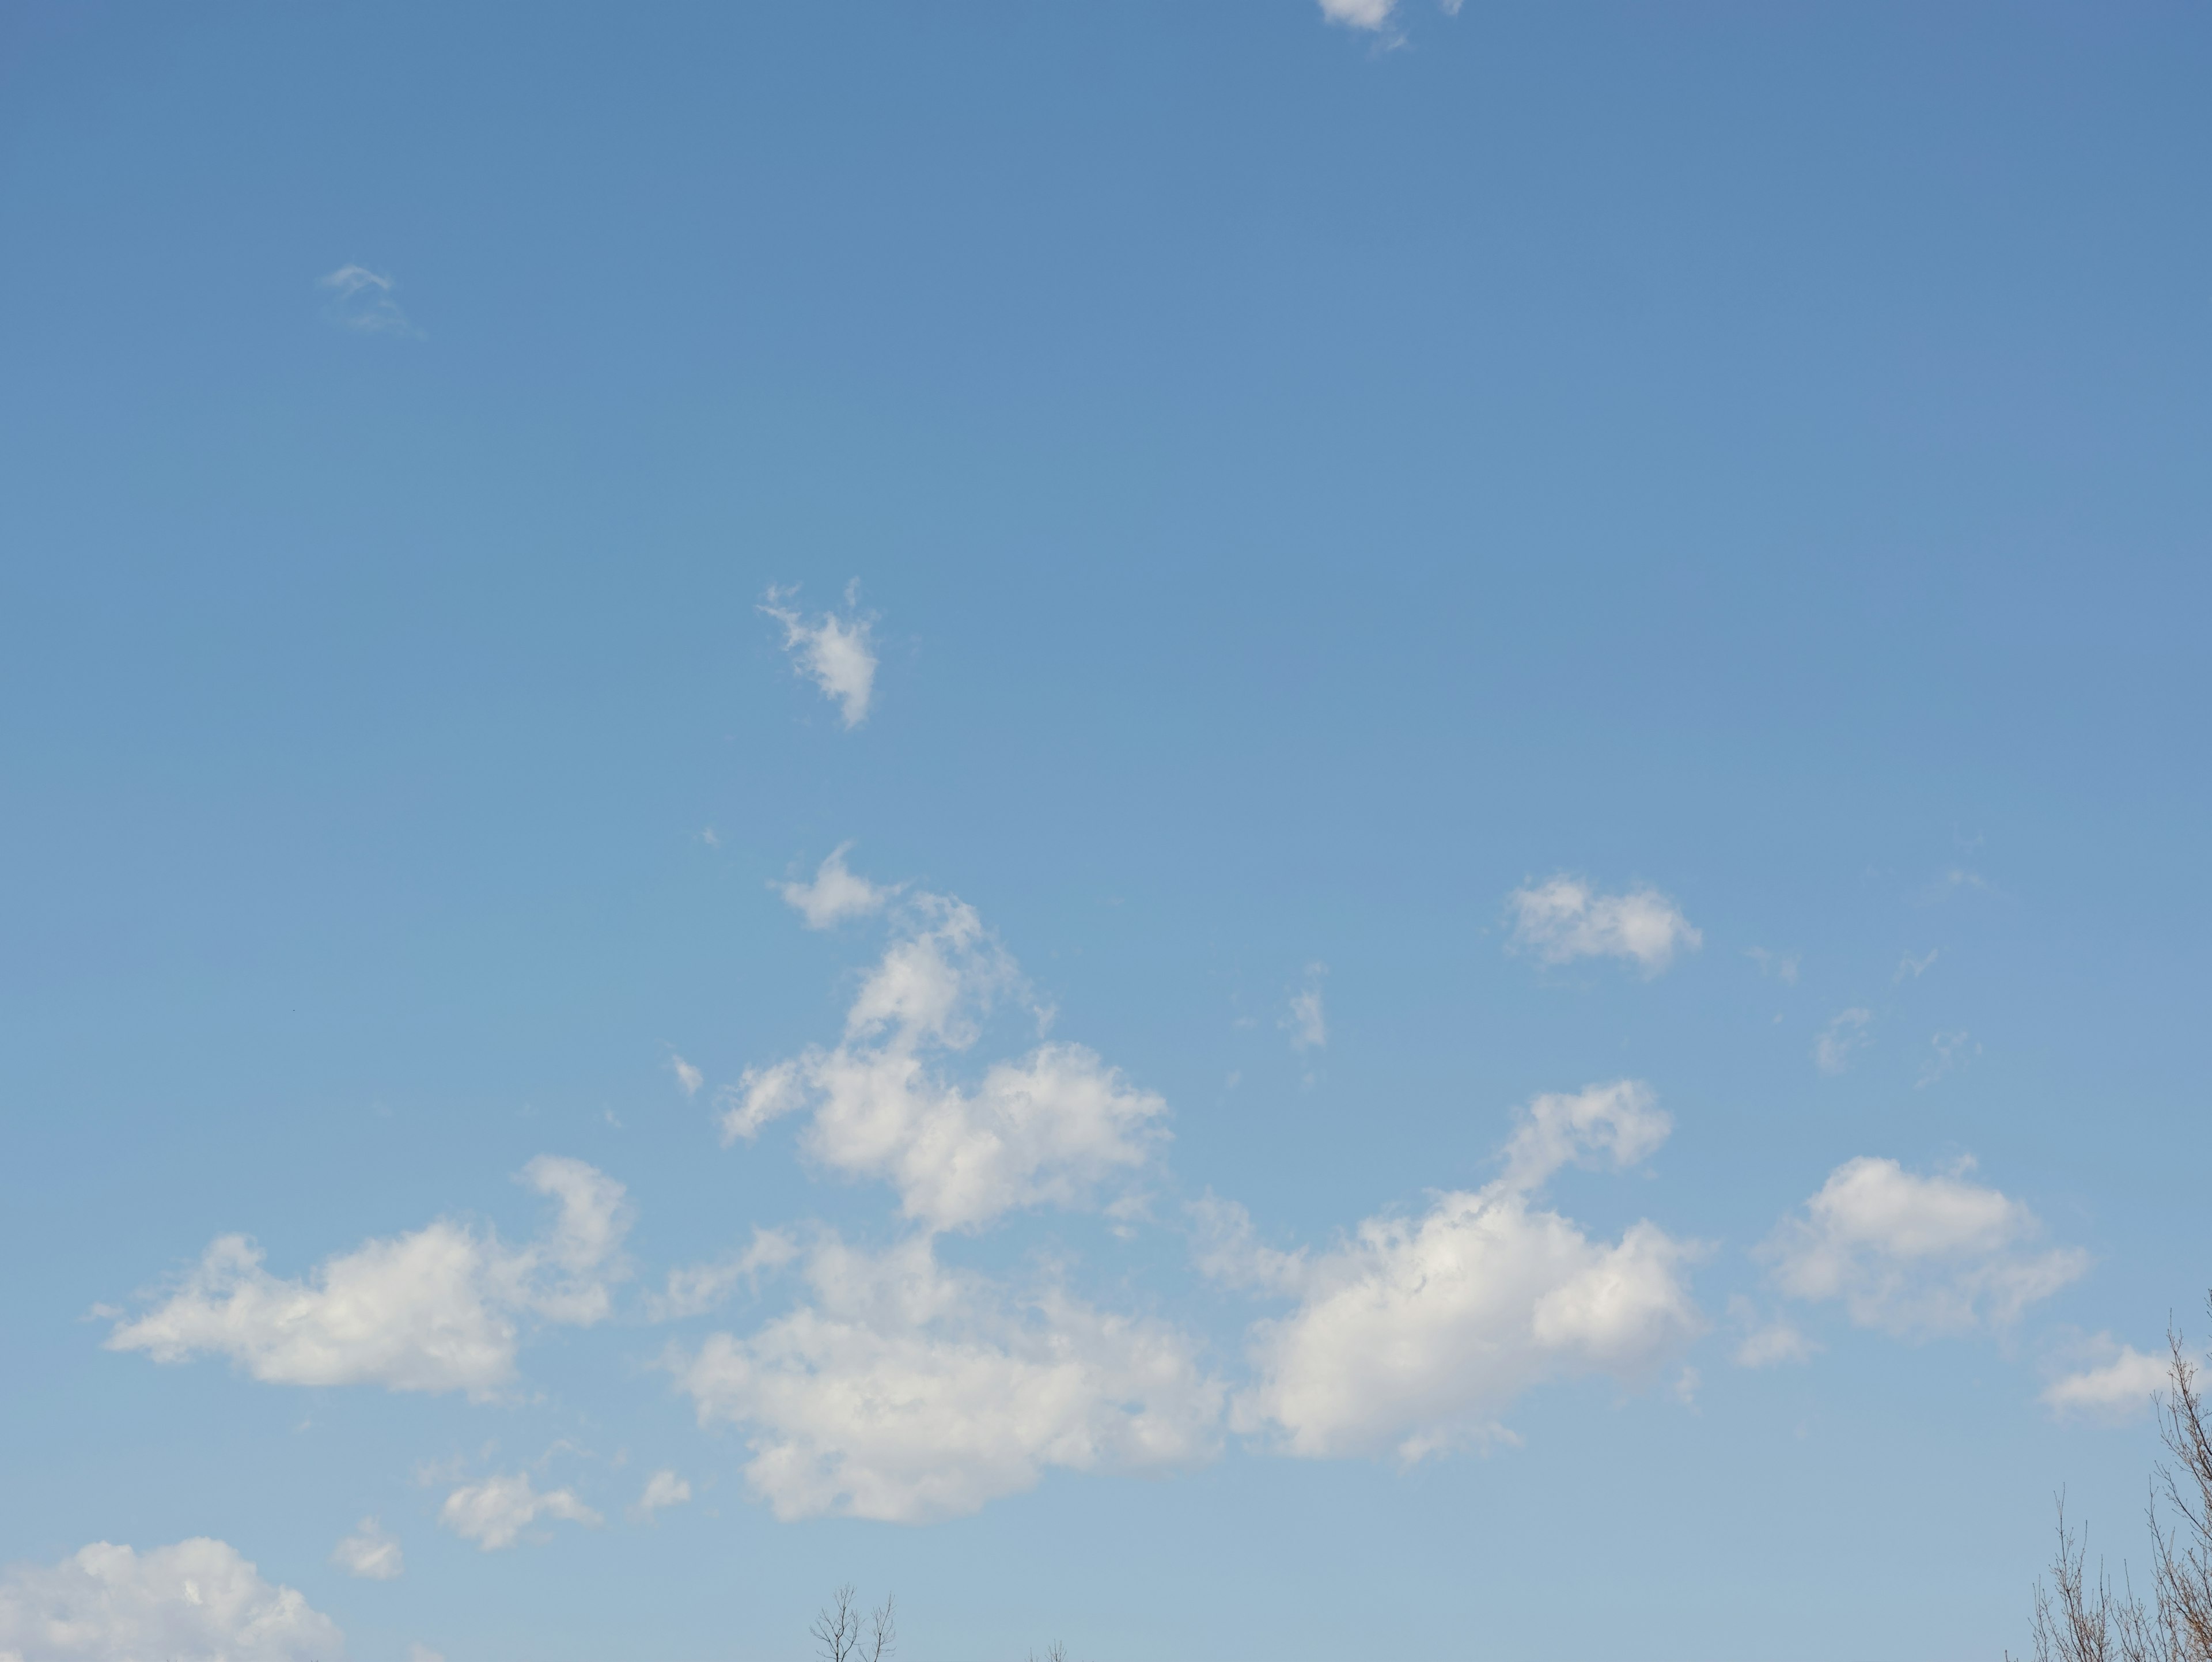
437,1310
1309,1025
1566,918
1841,1039
836,650
1917,1256
2119,1388
1417,1332
1045,1128
369,1553
695,1289
835,893
662,1490
495,1513
361,299
197,1601
905,1391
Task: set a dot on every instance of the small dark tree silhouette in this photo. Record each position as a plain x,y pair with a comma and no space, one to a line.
843,1632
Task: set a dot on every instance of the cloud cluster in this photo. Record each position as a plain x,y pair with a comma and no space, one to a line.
1045,1128
836,651
437,1310
1916,1255
1566,918
494,1513
197,1601
1417,1331
906,1391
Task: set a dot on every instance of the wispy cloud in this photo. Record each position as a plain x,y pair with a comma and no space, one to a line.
662,1490
361,299
1566,918
495,1513
1782,966
2119,1387
1911,968
369,1553
835,893
835,650
1308,1023
1845,1035
1946,1053
688,1078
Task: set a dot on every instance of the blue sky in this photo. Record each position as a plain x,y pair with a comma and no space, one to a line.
1240,831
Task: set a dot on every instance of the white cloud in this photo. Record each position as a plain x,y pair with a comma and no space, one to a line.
419,1653
1917,1255
1565,919
1226,1249
688,1078
436,1309
1841,1039
836,894
695,1289
495,1513
1371,15
1308,1026
369,1553
1782,966
837,650
1417,1332
1046,1127
2118,1390
1912,968
361,299
663,1489
197,1601
905,1391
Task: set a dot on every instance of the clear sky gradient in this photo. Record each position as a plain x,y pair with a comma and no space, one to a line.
1235,829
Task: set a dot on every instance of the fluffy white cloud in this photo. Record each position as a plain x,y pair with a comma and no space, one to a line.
905,1391
1841,1039
436,1309
197,1601
1045,1129
1916,1255
495,1513
369,1553
1371,15
1417,1332
835,893
1565,919
695,1289
663,1489
2117,1390
837,650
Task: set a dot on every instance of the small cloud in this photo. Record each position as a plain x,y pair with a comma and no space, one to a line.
1308,1025
1767,1344
837,650
707,835
1782,966
2114,1392
690,1078
361,299
422,1654
695,1289
369,1553
1566,918
495,1513
1949,1051
662,1489
1957,880
836,894
1844,1036
1911,968
1685,1387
